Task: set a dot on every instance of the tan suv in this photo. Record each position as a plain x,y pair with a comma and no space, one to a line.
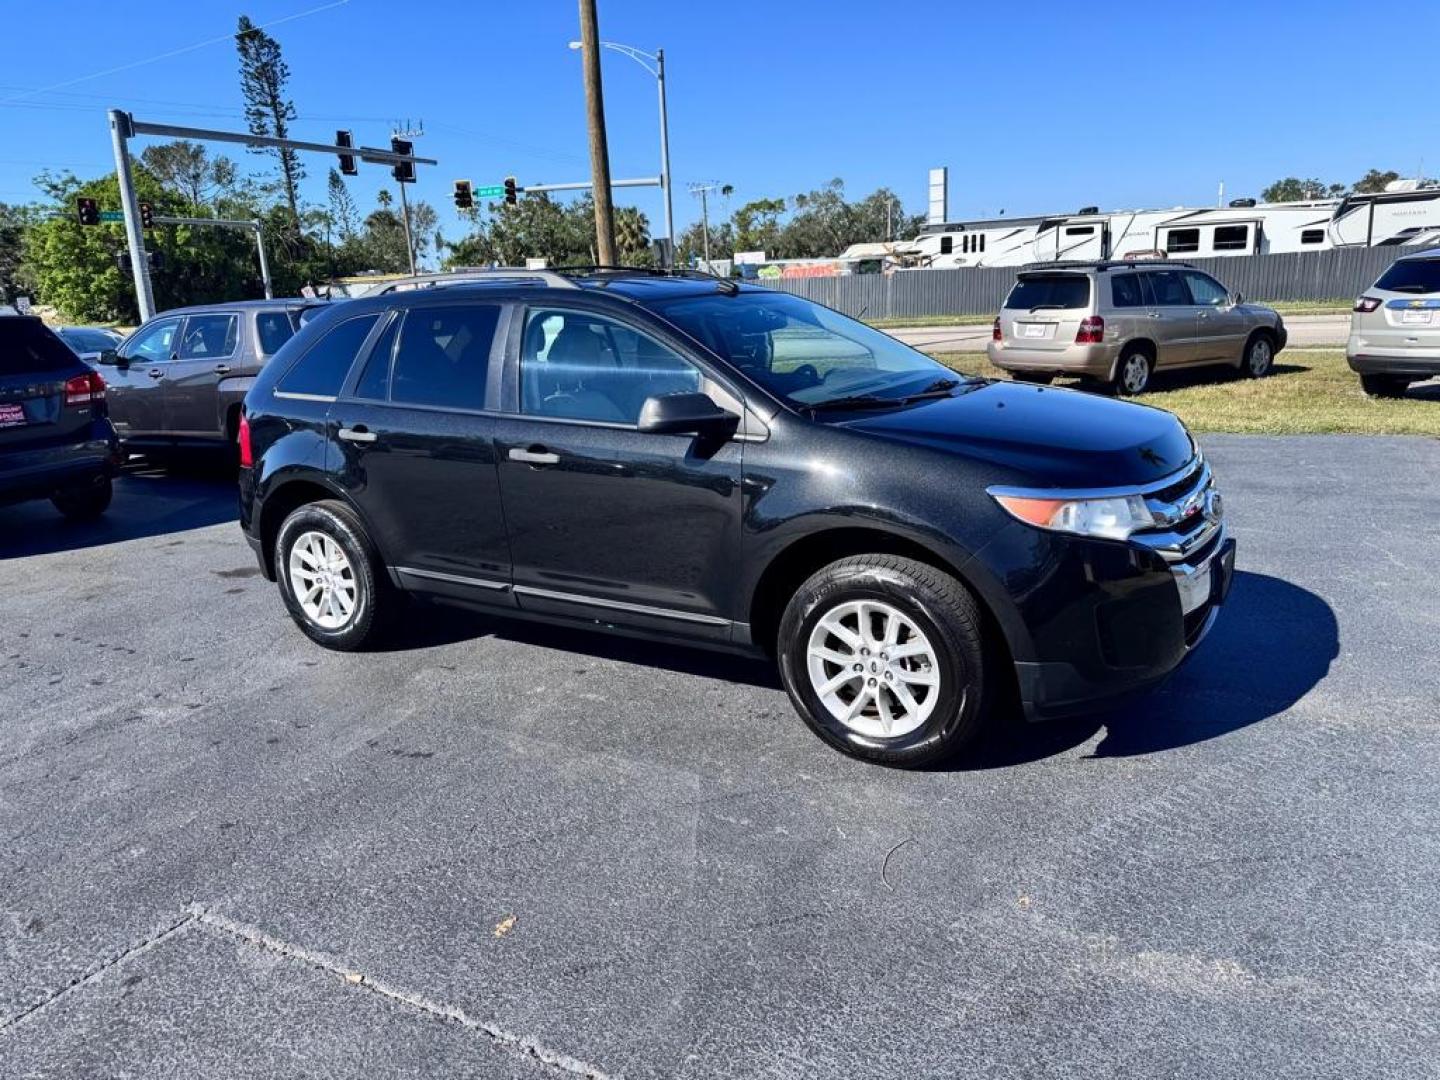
1119,322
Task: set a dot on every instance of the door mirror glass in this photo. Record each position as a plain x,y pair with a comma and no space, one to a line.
1237,299
685,414
109,357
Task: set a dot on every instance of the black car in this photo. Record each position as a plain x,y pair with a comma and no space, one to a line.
56,441
698,461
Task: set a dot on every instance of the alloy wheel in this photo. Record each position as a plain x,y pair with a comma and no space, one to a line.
323,580
1136,373
873,669
1260,357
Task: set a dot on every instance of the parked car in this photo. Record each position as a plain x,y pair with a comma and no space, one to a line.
89,342
1120,322
1395,327
56,441
179,379
697,461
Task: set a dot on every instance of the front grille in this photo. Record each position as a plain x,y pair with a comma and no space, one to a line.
1189,512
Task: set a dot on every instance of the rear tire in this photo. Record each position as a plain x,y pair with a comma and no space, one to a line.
1389,386
85,501
919,693
1132,373
331,581
1038,378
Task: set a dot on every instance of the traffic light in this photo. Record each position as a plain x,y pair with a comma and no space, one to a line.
510,190
464,195
404,171
147,216
347,161
88,211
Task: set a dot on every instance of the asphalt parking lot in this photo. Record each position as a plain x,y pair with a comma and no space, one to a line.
501,850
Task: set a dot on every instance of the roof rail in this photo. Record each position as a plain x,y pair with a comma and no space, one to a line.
641,271
472,276
1102,264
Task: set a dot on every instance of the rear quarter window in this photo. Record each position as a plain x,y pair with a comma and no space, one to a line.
323,367
27,345
1063,291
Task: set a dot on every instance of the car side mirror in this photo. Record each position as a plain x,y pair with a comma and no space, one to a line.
110,357
1236,299
685,414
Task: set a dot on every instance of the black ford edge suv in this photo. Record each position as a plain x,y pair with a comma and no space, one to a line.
694,460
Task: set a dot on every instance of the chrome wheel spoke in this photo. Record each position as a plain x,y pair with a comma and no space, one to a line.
323,581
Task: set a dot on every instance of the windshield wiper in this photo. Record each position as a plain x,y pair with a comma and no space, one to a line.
938,388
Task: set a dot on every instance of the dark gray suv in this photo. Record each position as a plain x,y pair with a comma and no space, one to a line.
180,378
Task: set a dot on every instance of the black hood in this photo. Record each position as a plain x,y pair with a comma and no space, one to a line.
1060,438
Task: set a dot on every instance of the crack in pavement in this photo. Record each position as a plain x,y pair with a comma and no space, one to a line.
503,1039
198,915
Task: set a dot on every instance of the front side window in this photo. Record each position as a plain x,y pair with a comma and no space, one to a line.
273,329
152,344
209,337
1232,237
579,366
1180,241
804,353
1205,289
325,364
442,356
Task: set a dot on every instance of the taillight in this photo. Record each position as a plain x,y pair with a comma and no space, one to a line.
84,389
995,334
242,438
1367,304
1091,332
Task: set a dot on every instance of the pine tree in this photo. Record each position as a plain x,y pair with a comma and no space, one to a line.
263,75
342,206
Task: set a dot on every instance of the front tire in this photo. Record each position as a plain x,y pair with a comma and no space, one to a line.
1259,359
1389,386
85,501
330,579
883,658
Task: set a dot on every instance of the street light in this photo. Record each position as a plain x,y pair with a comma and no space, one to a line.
645,59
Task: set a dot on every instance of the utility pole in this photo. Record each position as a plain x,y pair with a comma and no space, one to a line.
665,177
406,131
599,151
703,190
120,132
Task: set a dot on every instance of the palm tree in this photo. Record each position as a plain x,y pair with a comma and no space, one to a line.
632,233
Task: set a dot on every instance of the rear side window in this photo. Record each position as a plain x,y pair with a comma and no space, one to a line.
1063,291
273,328
209,337
27,346
1125,290
326,363
1411,275
442,356
1169,288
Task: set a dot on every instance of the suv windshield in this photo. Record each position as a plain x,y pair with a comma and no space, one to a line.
1411,275
807,354
1034,292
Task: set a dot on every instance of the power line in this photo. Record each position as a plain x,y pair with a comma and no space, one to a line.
172,53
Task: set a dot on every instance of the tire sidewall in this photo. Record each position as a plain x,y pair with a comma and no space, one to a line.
86,500
961,666
340,527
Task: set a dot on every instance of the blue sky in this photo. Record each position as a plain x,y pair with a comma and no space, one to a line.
1034,107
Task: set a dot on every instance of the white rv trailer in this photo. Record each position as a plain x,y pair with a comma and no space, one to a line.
1406,213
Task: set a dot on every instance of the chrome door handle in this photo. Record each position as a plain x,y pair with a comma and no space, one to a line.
155,373
534,457
357,434
1154,314
222,369
1204,314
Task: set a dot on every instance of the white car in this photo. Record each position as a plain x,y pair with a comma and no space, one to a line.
1395,326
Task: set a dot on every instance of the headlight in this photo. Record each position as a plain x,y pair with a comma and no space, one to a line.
1113,517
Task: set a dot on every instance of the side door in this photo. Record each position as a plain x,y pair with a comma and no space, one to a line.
416,439
1171,314
608,523
207,351
135,385
1220,328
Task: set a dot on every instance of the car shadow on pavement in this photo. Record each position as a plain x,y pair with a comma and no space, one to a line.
148,502
427,625
1271,645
